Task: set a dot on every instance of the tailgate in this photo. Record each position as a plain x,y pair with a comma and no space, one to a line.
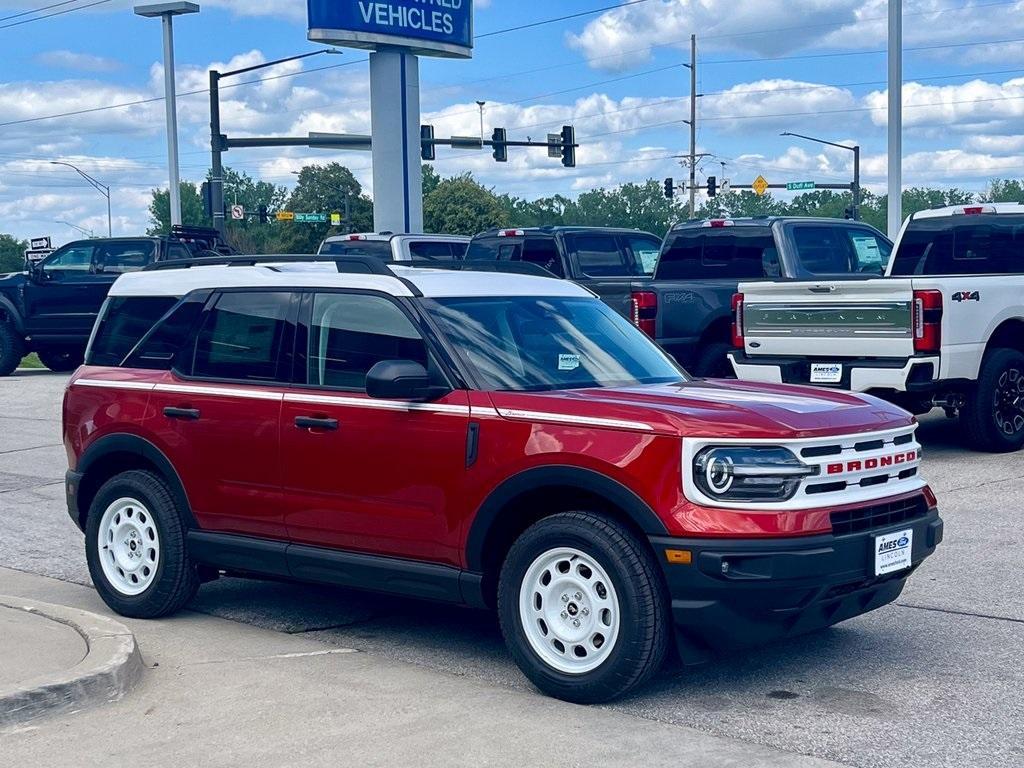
840,319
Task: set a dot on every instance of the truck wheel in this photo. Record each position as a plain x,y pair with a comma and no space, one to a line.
583,609
61,361
993,415
12,348
713,362
135,547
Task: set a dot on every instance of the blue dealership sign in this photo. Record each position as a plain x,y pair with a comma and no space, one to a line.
427,27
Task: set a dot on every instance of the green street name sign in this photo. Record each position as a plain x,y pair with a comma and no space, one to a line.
795,185
310,218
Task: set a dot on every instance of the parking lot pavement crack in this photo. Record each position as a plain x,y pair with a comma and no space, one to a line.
275,656
30,448
960,613
31,487
983,485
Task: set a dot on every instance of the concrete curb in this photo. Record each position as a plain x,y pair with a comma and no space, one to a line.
110,669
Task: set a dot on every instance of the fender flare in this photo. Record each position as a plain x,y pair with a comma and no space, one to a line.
551,476
140,446
8,306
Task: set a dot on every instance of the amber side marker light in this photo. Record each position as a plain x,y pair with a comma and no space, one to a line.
679,556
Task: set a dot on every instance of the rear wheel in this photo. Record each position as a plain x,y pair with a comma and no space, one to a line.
135,547
12,348
993,414
61,361
713,362
582,607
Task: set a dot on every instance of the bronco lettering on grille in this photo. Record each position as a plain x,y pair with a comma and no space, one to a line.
861,465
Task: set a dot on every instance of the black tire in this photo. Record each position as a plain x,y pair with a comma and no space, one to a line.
61,361
993,414
12,348
644,628
176,579
713,362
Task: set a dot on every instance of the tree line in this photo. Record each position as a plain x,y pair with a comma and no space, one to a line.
461,205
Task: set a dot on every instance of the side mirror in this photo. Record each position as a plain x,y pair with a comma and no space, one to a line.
401,380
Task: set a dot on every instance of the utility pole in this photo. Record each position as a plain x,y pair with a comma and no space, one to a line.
216,163
693,126
895,152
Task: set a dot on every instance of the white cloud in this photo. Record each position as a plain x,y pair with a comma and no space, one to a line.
974,107
79,62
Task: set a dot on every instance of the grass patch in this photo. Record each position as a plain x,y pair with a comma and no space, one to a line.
31,361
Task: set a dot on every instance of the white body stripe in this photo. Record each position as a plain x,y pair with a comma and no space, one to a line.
114,384
565,418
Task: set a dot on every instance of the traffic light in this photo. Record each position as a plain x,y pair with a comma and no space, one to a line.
712,186
207,195
499,145
568,146
670,188
264,215
427,149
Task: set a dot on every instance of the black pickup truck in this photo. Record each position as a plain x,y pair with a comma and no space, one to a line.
680,291
49,309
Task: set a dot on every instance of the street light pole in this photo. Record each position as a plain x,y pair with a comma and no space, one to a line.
895,119
103,189
167,12
855,187
481,105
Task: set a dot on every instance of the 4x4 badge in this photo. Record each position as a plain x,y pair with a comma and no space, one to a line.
967,296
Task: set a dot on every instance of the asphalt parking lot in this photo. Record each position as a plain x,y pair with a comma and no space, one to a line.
933,680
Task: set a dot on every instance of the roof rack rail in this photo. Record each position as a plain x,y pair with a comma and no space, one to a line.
482,265
363,265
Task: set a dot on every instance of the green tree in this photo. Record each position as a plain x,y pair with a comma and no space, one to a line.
12,253
741,204
323,189
461,206
249,235
639,206
431,179
1003,191
192,213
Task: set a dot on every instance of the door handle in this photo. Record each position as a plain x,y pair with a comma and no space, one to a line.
185,414
312,422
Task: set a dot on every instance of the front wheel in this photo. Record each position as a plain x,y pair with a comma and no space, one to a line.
993,414
582,608
12,348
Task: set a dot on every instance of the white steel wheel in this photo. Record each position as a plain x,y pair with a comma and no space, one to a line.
569,610
128,544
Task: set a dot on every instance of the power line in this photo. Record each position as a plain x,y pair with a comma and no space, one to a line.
533,24
55,13
36,10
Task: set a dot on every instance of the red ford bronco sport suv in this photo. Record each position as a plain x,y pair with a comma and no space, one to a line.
495,440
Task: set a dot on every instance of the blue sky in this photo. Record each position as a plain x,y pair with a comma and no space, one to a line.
764,67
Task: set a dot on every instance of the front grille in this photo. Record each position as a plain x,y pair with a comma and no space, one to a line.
877,516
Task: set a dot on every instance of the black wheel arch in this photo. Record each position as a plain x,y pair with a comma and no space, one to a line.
10,313
113,454
535,493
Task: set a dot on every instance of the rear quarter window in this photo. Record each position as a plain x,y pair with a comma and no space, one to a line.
380,249
984,244
733,253
122,323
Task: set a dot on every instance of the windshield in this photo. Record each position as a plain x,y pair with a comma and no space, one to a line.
537,344
379,248
985,244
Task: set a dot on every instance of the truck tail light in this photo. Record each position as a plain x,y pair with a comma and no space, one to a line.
645,311
737,320
927,321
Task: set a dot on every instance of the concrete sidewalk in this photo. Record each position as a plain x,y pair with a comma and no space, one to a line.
217,692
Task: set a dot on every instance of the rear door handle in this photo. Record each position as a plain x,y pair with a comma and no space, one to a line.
186,414
311,422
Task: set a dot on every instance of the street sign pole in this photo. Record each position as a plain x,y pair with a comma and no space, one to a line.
395,127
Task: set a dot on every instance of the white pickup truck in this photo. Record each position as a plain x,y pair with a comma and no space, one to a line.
943,328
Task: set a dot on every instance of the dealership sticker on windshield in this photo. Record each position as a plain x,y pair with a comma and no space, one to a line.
826,373
568,362
892,551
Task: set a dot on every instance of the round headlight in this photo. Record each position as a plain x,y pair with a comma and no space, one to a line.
749,473
718,472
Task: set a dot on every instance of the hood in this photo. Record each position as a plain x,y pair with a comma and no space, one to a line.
721,408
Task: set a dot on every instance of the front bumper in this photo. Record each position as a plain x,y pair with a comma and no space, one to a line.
736,593
911,374
72,480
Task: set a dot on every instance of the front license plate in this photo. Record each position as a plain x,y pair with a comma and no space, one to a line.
826,373
892,551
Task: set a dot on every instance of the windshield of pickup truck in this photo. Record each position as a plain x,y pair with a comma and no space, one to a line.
980,244
528,344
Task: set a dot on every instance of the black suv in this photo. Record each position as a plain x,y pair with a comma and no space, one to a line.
50,308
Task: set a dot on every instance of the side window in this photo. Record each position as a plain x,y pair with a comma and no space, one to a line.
120,257
543,252
823,250
600,255
645,252
157,349
350,333
123,321
243,337
870,251
74,258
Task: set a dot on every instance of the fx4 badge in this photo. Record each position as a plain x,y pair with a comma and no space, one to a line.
966,296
